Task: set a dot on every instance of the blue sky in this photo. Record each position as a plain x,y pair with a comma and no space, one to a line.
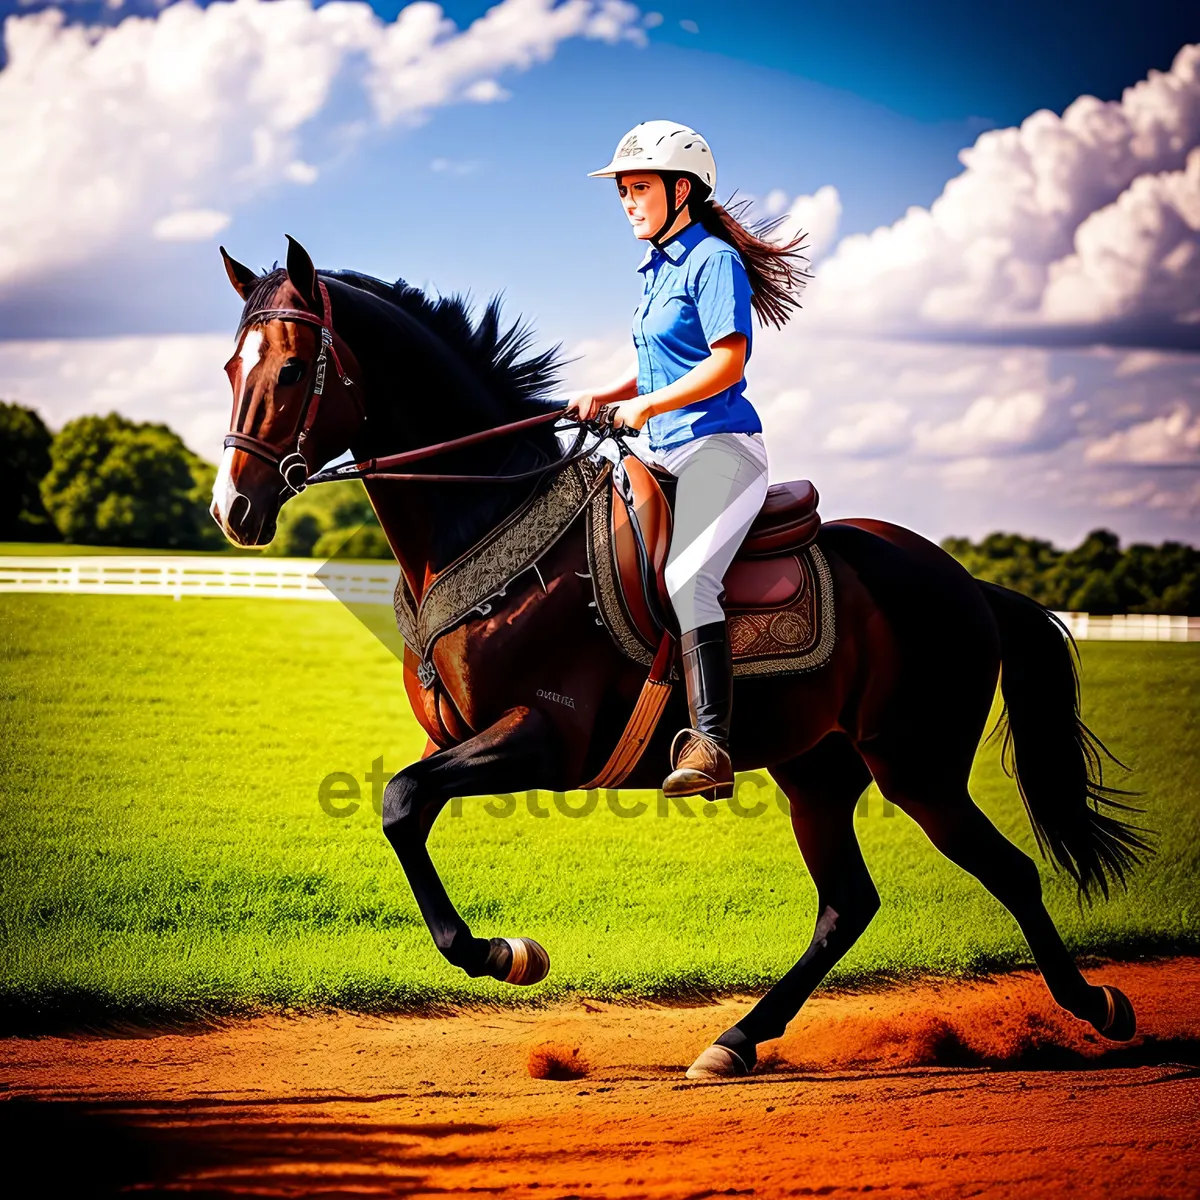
999,331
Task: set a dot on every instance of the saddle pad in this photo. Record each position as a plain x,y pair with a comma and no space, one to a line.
483,573
796,637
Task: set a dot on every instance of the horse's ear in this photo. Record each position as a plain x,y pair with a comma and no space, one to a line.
303,275
242,278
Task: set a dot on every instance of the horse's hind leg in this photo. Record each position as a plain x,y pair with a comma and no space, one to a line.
822,787
939,802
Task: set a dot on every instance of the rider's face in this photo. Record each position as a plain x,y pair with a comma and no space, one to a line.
645,201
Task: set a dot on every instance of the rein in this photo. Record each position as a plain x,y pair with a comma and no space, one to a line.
380,468
383,467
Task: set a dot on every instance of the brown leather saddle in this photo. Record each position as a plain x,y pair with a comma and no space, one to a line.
772,573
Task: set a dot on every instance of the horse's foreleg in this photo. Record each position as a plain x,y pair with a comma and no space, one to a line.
515,753
822,787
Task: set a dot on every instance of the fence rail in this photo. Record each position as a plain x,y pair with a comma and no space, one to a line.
199,575
372,583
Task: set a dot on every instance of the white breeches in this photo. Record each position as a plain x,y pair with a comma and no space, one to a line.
722,484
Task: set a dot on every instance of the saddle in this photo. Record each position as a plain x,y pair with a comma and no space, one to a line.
777,592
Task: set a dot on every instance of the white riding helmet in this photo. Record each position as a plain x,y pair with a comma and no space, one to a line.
662,146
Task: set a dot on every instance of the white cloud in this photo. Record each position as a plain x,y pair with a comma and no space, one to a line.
1137,257
775,202
106,132
871,429
190,225
995,424
486,91
301,172
1073,223
176,379
1170,439
817,215
450,166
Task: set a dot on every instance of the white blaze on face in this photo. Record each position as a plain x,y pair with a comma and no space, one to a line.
224,490
249,355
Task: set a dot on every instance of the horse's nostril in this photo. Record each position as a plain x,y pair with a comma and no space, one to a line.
231,517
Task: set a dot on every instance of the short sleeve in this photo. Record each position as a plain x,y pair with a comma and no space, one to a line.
722,295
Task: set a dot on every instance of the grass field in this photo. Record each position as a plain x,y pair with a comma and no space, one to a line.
165,854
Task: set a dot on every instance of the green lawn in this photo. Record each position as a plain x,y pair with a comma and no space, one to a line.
165,853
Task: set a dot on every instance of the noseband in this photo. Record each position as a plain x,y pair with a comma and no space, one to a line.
289,462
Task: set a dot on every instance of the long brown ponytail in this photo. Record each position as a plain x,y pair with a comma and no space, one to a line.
774,269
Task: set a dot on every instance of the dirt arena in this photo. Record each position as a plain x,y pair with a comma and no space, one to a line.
934,1090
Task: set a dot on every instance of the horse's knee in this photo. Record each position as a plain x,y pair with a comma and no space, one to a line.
399,804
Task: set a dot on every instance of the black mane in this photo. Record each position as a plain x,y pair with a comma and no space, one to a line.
494,355
414,350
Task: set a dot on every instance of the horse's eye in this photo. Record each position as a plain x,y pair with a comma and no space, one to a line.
293,372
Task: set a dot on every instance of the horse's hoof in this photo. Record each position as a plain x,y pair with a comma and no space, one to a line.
1120,1022
717,1062
530,962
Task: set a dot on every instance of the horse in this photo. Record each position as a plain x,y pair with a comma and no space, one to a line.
903,699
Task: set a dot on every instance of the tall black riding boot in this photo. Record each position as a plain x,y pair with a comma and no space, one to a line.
700,755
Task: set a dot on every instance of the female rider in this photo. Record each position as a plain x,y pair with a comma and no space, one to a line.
702,275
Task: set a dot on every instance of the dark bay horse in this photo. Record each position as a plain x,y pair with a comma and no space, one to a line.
903,700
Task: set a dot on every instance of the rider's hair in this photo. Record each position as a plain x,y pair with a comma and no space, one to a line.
774,268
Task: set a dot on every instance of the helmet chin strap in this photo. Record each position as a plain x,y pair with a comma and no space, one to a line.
673,211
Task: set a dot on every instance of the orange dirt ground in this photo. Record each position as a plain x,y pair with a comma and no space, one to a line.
933,1090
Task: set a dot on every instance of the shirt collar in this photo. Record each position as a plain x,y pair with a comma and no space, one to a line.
676,250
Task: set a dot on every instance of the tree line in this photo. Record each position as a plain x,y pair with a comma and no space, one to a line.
110,481
1097,576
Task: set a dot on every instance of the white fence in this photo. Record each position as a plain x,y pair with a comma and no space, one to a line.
370,583
200,575
1132,627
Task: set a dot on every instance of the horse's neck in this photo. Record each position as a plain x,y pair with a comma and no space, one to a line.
406,524
430,525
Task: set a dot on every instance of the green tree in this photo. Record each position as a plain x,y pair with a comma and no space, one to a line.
1097,576
330,521
24,461
116,482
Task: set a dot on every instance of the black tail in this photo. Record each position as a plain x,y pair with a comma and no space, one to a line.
1056,758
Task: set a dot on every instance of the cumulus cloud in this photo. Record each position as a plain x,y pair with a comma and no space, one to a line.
817,216
1138,257
1074,227
1170,439
1025,420
870,429
177,380
190,225
109,133
963,438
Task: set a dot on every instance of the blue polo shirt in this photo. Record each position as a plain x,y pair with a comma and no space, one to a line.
695,292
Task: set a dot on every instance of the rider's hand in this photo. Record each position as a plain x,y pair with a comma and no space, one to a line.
630,414
584,408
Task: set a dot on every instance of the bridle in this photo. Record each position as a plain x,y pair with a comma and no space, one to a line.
290,461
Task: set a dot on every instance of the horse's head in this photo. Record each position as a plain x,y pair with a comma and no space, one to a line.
297,400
